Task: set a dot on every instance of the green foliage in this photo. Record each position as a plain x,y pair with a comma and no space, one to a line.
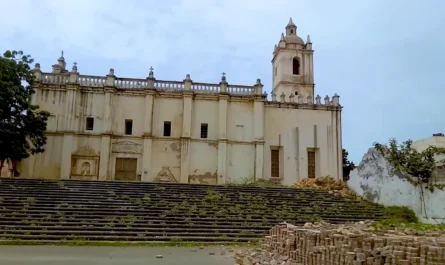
22,125
406,159
348,166
400,214
213,196
397,216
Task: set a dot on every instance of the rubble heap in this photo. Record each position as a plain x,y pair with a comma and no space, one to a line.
349,244
334,186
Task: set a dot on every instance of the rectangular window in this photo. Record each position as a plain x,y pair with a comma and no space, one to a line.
275,163
128,127
204,130
167,128
89,124
311,164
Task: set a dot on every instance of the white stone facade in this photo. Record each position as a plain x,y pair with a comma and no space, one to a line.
106,127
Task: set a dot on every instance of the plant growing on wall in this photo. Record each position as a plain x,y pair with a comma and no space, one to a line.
406,159
348,166
22,125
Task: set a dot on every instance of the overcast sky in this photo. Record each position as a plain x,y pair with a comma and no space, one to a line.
385,58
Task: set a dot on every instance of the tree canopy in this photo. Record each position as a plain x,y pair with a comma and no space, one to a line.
22,124
348,166
406,159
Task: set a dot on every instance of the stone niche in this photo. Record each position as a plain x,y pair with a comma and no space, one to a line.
85,164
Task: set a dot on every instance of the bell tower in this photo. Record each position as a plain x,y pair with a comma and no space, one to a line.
292,65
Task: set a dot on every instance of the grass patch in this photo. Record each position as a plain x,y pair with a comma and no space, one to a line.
396,216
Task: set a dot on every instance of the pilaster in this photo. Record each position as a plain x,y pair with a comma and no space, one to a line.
222,161
148,132
104,161
259,160
185,138
339,145
70,114
258,125
258,129
67,146
222,136
105,145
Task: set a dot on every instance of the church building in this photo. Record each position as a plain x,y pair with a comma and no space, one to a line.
130,129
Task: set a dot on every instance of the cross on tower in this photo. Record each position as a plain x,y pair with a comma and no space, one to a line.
151,68
224,74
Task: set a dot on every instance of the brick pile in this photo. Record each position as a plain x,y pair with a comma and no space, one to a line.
349,244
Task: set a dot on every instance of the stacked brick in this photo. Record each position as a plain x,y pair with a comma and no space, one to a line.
358,244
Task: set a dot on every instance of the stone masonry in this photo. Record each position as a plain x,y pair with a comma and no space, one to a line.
350,244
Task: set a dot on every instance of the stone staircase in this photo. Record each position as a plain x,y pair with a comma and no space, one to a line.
72,210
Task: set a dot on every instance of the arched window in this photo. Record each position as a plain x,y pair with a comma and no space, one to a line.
295,66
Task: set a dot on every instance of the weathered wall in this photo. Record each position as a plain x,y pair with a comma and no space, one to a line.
376,180
293,131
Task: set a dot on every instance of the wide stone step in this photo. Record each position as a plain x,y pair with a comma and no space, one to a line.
137,226
58,227
125,238
102,211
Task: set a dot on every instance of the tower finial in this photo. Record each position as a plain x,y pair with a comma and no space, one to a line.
308,39
61,56
291,23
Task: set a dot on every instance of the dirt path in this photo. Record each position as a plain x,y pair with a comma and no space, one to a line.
61,255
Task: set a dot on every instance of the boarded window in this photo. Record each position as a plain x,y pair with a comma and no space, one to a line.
204,130
125,169
128,127
167,128
311,164
275,163
89,123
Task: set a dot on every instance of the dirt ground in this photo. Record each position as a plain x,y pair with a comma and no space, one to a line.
63,255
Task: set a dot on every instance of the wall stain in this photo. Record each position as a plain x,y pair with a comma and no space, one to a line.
206,178
176,147
369,193
213,145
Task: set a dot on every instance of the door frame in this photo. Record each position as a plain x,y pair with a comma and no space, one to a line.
114,156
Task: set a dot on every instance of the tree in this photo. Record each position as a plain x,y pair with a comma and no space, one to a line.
406,159
348,166
22,125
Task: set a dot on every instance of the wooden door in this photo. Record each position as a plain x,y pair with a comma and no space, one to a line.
311,164
275,163
126,169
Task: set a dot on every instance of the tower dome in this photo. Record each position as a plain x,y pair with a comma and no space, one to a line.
291,34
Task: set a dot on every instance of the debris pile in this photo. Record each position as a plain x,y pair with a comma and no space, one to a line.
334,186
348,244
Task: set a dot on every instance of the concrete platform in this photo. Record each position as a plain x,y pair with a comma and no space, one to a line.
62,255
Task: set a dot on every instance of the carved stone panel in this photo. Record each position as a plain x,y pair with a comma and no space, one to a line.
85,164
126,147
165,175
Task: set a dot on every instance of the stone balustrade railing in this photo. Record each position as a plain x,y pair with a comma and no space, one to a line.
149,83
309,100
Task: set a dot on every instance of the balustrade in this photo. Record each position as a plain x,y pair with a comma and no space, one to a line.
241,90
85,80
205,88
130,83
